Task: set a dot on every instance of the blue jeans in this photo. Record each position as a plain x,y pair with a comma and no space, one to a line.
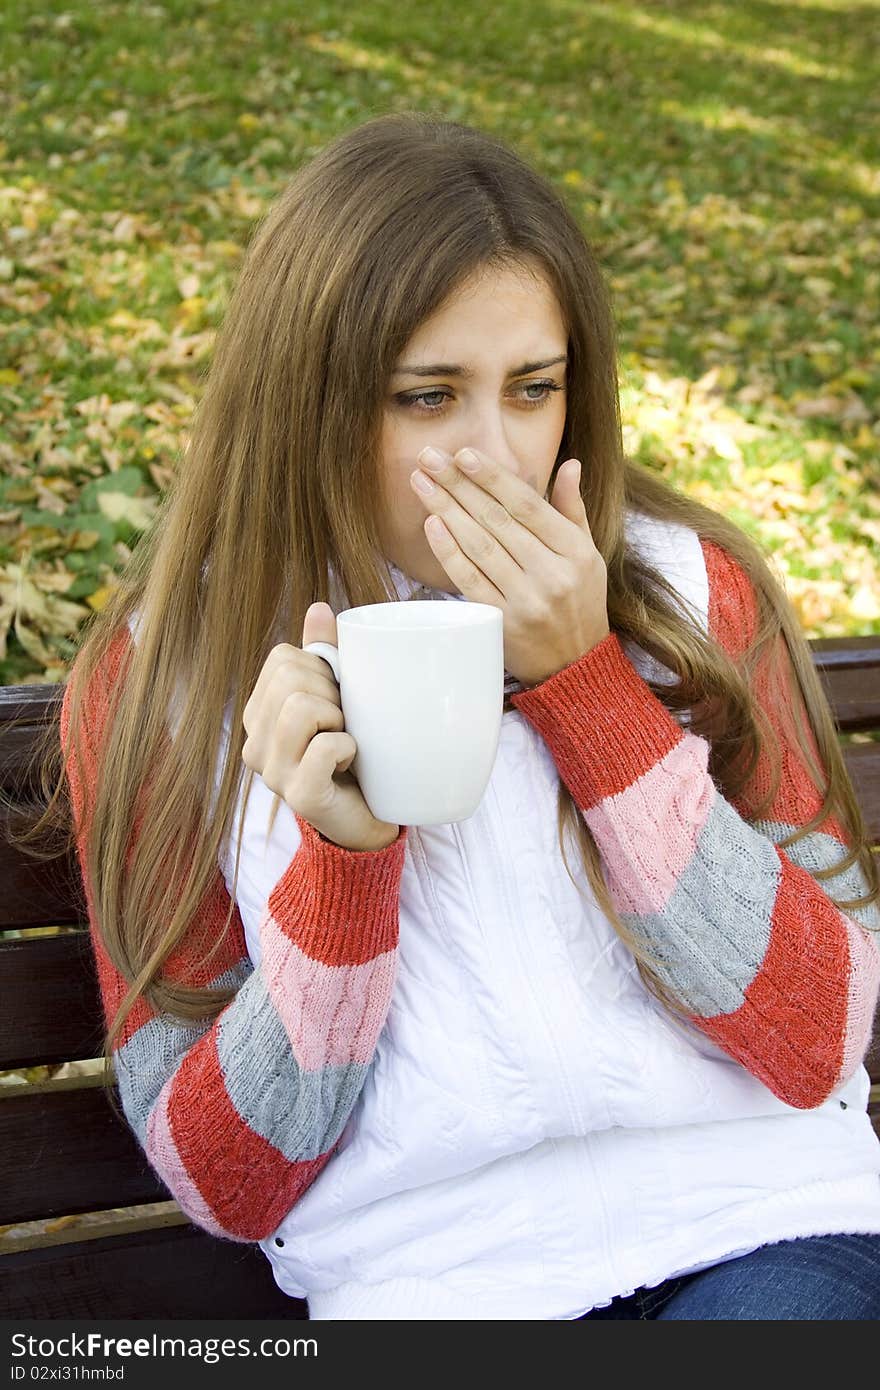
813,1278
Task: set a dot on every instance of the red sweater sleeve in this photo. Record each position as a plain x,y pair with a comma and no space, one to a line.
752,946
238,1116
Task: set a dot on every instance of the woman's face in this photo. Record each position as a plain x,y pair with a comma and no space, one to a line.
478,393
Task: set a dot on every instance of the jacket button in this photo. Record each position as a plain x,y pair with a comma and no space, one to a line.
278,1240
843,1105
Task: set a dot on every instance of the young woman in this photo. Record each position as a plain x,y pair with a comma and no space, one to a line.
597,1050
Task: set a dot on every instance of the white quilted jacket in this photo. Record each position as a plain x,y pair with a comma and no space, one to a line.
536,1134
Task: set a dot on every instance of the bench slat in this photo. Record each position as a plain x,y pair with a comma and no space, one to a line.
172,1272
51,1009
854,696
66,1152
849,668
43,895
835,653
863,765
36,894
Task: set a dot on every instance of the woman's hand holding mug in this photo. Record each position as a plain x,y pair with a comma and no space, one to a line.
296,740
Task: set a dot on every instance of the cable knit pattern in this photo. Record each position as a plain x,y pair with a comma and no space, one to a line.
749,942
239,1116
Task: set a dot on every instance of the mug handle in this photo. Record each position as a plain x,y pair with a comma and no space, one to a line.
329,653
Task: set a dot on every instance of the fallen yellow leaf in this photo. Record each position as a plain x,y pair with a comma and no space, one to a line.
98,599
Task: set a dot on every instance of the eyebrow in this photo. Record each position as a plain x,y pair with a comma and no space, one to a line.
452,369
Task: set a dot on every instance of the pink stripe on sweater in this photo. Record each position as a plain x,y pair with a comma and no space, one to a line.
864,983
662,814
332,1014
162,1152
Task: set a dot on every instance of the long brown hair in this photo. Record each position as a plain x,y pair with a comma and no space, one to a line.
279,481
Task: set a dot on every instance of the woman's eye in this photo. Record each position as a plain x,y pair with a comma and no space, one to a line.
423,399
420,400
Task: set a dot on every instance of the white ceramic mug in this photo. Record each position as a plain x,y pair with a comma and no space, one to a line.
422,692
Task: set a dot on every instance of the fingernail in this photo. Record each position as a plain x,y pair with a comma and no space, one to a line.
433,459
422,482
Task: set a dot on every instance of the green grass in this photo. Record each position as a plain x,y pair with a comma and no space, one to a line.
722,159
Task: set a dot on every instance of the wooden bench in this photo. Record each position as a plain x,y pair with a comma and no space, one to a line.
66,1153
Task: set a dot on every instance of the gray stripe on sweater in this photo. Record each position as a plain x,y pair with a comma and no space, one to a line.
714,933
301,1113
144,1063
818,851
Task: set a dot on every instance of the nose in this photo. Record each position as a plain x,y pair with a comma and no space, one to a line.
485,432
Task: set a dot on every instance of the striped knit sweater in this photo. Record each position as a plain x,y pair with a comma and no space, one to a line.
237,1117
